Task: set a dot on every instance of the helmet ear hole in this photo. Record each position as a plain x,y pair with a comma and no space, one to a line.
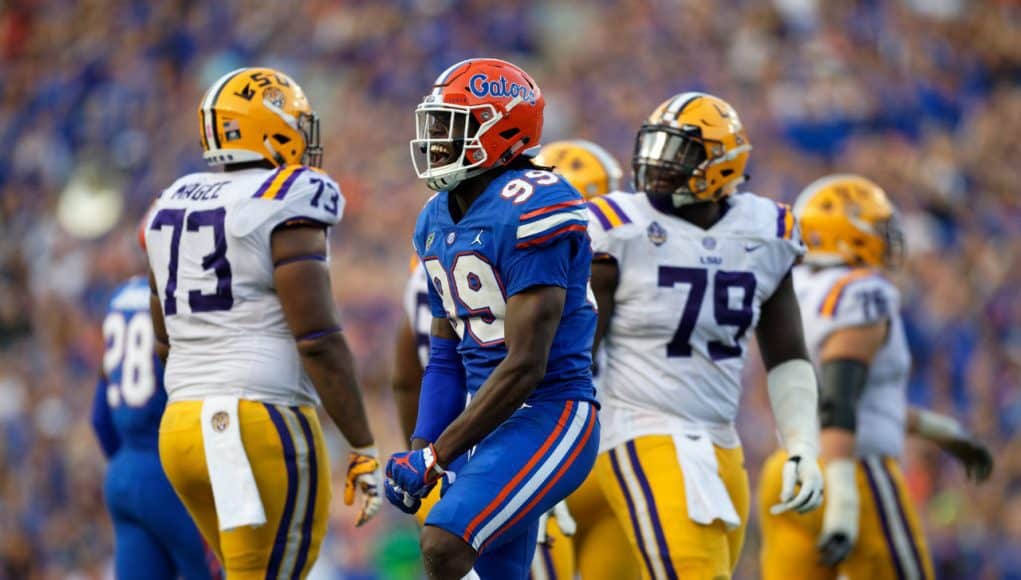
510,133
281,139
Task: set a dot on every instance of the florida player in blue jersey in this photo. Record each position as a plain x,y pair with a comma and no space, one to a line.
155,537
504,245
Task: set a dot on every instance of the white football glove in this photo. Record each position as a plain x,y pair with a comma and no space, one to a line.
565,521
801,473
840,516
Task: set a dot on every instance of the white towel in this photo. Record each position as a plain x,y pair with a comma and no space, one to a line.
234,491
708,499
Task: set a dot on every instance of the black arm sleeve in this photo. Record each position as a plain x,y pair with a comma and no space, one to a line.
841,383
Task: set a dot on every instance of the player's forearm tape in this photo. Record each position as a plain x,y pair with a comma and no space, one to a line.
793,395
841,383
937,427
302,258
318,333
444,386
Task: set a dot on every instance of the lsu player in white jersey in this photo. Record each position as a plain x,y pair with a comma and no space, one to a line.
683,269
594,550
868,527
245,320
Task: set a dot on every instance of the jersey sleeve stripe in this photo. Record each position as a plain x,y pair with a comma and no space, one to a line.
600,215
784,221
266,184
611,211
551,209
292,174
546,224
832,301
543,239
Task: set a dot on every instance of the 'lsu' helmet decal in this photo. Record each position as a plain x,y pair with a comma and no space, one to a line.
256,114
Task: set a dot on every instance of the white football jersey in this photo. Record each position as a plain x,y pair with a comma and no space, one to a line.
836,298
686,302
208,240
416,306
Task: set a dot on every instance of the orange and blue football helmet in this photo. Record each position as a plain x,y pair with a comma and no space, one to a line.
690,150
585,165
258,114
848,220
481,114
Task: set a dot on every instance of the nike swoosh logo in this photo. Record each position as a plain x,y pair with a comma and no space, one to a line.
752,248
694,437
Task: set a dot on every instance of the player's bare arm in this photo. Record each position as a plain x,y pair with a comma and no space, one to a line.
407,379
779,332
531,323
307,301
159,326
953,438
605,277
844,360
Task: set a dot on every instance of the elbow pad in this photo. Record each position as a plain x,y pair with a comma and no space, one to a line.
444,389
841,383
793,395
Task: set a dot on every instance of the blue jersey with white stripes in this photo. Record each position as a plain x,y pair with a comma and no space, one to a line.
527,229
132,395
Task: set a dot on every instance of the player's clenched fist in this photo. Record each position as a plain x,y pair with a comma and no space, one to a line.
414,472
363,475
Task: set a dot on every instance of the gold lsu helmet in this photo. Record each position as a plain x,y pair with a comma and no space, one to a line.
258,114
847,219
691,148
585,165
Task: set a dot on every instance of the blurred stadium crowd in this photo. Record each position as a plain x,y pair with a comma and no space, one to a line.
97,113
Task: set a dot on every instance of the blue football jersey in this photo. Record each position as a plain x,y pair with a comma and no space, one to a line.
134,375
528,228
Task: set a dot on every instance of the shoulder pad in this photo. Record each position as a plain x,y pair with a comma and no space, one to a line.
292,192
855,282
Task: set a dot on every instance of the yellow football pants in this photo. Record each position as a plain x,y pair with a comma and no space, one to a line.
890,541
288,456
597,551
643,482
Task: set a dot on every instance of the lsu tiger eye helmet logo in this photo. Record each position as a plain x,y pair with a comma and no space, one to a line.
481,114
847,219
585,165
693,148
258,114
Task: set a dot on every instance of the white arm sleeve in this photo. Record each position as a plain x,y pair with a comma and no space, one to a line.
794,397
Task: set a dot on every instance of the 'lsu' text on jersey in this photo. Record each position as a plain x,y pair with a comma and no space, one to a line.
223,317
492,253
685,301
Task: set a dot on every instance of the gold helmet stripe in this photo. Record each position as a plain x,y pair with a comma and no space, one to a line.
212,142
